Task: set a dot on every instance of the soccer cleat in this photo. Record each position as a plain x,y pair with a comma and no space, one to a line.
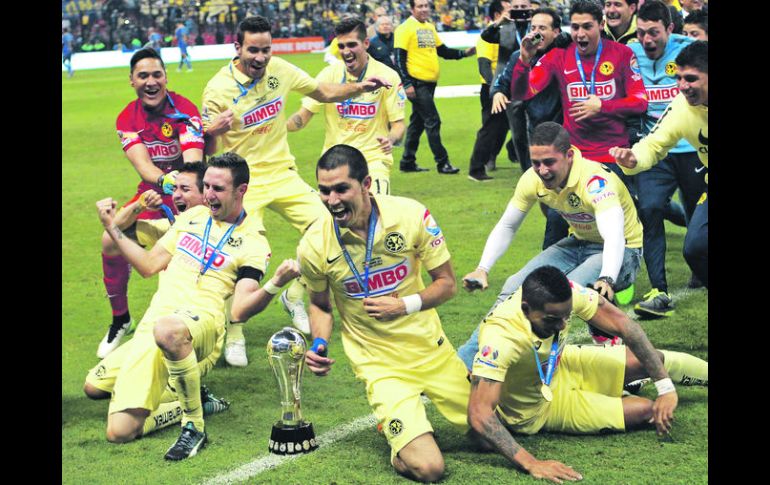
297,312
634,387
235,353
112,339
624,297
211,403
189,442
656,304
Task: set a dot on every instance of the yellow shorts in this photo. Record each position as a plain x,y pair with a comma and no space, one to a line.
395,398
587,395
380,174
136,372
289,196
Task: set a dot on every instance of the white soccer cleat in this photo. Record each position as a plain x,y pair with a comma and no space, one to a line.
112,339
235,353
297,312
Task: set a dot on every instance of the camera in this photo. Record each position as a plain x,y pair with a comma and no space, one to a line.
537,38
520,15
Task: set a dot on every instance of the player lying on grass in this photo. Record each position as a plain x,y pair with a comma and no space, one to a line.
209,254
187,193
525,377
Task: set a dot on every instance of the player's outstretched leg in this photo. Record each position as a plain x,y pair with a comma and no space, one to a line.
684,369
420,459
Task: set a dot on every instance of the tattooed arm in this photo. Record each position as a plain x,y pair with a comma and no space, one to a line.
298,120
611,319
147,263
485,395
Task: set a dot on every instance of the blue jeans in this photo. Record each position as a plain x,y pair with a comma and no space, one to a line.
580,260
696,241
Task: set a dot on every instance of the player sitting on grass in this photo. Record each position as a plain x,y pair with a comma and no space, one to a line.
209,254
187,193
526,379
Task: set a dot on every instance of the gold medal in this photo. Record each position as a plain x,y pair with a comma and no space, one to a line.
546,392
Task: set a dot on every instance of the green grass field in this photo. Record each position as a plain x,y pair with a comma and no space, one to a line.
94,167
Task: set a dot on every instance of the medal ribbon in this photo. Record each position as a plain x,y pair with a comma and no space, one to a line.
593,71
244,91
178,115
206,265
551,361
169,214
518,37
364,283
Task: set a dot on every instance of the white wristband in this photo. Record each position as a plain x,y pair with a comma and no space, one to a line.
413,303
271,288
664,386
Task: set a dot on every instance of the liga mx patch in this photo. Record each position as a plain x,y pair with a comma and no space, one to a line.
430,224
596,184
395,426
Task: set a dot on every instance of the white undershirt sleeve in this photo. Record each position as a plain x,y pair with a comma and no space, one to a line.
611,226
501,236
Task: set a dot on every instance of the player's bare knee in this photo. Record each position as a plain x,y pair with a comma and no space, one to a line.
170,334
94,393
121,434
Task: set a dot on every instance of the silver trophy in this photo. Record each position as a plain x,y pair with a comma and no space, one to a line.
291,434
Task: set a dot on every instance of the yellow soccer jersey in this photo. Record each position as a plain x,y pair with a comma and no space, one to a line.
258,133
419,40
680,120
179,283
506,355
406,239
489,51
591,188
148,231
360,120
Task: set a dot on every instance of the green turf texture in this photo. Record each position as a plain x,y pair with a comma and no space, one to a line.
94,167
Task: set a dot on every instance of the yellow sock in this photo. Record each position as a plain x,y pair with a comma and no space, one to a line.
296,291
169,395
686,369
168,413
185,377
235,332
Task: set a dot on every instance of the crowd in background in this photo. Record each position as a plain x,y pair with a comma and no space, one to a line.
127,24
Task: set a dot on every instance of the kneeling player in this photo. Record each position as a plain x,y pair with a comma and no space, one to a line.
516,389
209,254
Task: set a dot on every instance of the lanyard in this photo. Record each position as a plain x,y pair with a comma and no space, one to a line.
244,91
364,283
169,214
178,115
206,265
551,361
593,71
346,103
518,37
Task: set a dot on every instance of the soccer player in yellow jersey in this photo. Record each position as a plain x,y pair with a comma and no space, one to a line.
526,379
368,256
604,247
243,113
417,47
187,192
371,122
209,254
686,117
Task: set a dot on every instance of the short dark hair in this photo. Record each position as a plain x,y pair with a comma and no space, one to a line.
589,7
350,24
550,133
238,167
695,55
555,19
547,284
255,24
199,169
495,7
146,53
700,18
655,10
340,155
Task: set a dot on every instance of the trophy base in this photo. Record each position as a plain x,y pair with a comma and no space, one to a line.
292,440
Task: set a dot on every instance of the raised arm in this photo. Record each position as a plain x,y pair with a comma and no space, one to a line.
249,299
333,92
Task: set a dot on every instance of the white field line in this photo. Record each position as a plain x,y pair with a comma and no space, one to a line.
581,335
264,463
